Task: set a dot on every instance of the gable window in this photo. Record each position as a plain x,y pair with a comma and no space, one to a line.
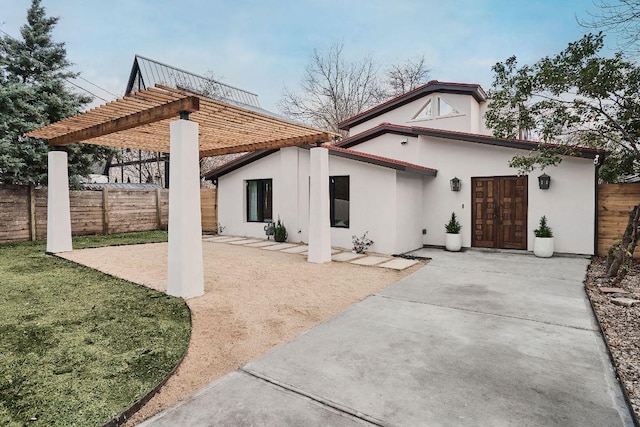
425,112
444,109
434,108
339,201
259,200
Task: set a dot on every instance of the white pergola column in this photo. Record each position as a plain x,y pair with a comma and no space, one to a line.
58,209
185,271
319,226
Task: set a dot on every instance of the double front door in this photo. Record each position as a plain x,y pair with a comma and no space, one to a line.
499,212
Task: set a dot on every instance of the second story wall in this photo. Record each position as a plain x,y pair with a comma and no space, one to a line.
455,112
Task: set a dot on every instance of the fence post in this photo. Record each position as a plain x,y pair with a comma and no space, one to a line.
105,211
158,213
32,213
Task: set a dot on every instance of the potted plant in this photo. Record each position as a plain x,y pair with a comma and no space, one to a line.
543,244
453,239
280,232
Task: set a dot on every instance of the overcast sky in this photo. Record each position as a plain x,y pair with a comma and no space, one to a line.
261,46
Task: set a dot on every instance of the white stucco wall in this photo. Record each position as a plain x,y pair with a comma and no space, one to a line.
371,190
394,206
568,204
468,119
409,211
232,196
391,146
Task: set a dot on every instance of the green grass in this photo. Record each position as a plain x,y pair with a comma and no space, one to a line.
77,347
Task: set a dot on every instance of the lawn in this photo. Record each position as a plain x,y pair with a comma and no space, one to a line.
77,347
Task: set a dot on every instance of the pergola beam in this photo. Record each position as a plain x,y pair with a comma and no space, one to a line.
151,115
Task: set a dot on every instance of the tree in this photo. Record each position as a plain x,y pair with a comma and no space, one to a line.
406,77
621,17
334,89
574,98
33,72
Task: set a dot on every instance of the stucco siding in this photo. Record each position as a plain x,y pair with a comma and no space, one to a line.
391,146
371,190
568,204
466,106
409,212
232,196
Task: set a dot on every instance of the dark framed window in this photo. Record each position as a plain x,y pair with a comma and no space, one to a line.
259,200
339,201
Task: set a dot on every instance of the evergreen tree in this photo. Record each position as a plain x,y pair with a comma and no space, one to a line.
33,93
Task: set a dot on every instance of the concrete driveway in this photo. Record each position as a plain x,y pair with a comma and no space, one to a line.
473,338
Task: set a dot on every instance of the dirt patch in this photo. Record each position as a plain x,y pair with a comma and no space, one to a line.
621,324
254,300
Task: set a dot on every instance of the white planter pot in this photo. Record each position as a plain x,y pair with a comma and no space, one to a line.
453,242
543,247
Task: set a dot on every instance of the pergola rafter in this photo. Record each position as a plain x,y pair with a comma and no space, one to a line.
141,121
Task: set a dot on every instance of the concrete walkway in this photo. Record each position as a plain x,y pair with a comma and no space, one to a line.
471,339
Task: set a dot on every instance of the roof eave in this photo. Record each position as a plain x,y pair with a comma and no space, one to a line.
500,142
236,164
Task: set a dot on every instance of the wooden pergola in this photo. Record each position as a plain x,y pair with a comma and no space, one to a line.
141,121
187,126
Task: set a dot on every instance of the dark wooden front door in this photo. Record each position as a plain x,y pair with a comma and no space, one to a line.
499,212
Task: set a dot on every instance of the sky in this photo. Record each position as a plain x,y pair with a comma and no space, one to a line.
264,46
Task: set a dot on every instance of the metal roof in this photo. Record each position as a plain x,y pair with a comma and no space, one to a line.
147,73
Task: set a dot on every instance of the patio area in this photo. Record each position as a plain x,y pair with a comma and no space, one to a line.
255,299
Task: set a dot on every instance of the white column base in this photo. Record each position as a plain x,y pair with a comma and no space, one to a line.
319,226
185,267
58,208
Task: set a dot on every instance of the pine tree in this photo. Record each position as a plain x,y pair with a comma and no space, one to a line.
33,93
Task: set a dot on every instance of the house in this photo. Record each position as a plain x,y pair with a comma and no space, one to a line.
392,177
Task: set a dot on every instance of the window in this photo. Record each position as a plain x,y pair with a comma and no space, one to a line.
339,201
425,112
259,198
444,109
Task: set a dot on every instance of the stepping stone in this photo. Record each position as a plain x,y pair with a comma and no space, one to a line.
346,256
279,246
613,291
297,249
215,238
625,302
263,244
399,263
370,260
333,251
226,239
245,241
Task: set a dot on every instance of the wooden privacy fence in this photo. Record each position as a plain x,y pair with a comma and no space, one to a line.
614,204
23,211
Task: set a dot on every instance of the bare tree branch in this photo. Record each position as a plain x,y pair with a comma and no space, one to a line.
334,89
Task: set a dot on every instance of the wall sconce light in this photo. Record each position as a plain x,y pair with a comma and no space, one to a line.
455,184
544,181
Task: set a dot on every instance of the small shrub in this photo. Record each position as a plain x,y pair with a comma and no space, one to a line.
543,230
221,228
280,232
362,243
453,226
